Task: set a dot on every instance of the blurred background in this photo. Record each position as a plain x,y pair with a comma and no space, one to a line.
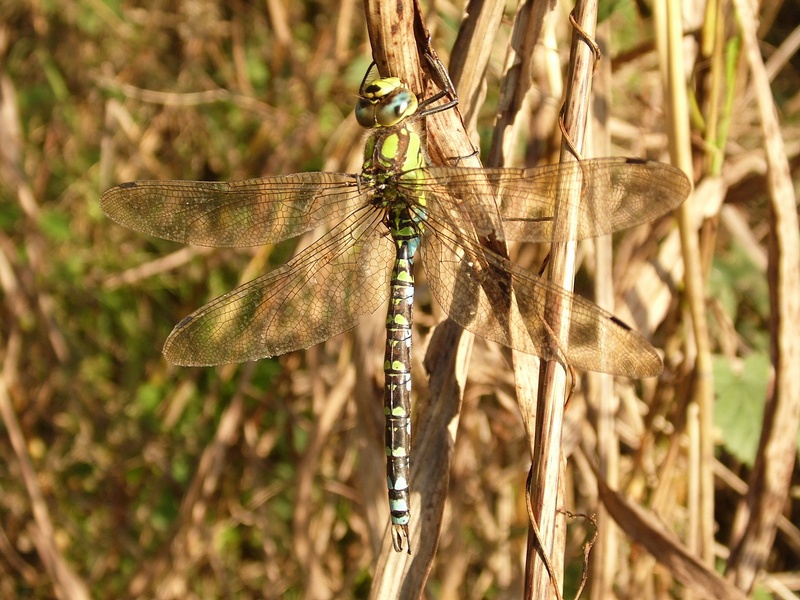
266,480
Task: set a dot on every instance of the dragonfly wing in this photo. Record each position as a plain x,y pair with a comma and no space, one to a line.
233,213
615,194
474,287
316,295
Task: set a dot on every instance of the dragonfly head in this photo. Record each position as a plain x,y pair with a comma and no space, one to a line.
384,103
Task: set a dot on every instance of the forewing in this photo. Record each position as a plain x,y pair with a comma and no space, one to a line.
474,287
233,213
615,193
316,295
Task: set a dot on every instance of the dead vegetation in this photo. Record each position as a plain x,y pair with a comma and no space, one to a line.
127,477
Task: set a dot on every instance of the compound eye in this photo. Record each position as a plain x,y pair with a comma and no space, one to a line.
398,105
365,113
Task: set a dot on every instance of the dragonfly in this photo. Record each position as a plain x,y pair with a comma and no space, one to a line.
397,209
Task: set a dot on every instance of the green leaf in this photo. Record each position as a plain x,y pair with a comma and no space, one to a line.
739,410
606,8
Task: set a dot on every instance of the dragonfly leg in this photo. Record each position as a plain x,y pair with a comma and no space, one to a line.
572,379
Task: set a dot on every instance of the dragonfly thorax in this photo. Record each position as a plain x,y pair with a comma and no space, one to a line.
385,103
394,151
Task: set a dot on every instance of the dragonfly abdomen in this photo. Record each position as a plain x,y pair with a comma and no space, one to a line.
397,367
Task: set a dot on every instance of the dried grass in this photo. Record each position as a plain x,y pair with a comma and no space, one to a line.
127,477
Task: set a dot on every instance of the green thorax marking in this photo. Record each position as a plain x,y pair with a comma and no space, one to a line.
395,148
391,156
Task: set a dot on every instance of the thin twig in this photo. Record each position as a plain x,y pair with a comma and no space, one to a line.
64,579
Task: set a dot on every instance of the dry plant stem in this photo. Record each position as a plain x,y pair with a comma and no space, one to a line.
370,432
313,531
12,174
756,519
669,29
280,23
527,32
396,33
66,583
190,523
344,24
173,261
789,530
548,462
645,528
186,98
397,36
713,52
600,392
516,83
471,54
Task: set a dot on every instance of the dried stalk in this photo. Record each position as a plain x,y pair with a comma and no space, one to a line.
670,46
398,37
756,520
548,463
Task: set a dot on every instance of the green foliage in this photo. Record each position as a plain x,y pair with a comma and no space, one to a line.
743,292
739,408
606,8
55,226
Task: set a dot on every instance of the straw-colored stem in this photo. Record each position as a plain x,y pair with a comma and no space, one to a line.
669,29
756,520
397,35
548,464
